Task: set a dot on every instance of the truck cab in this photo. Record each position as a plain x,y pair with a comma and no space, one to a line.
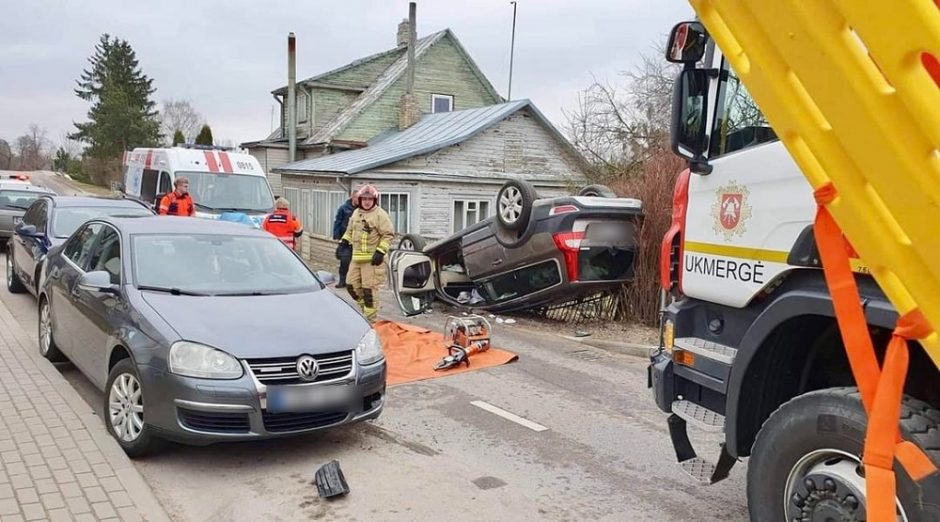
220,181
750,347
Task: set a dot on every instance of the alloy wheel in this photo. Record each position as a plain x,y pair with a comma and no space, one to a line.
45,328
9,269
406,244
126,407
510,205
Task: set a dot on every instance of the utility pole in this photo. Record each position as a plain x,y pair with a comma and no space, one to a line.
512,49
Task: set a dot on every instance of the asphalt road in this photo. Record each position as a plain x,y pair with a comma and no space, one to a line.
435,456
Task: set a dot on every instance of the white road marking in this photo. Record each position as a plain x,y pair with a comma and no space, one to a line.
508,416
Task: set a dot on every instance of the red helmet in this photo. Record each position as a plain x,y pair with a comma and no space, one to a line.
368,191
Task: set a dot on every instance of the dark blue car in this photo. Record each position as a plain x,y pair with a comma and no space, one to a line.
48,222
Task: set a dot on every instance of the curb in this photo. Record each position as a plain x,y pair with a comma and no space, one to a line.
134,484
636,350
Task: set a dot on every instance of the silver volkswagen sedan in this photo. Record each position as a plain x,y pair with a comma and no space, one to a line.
201,331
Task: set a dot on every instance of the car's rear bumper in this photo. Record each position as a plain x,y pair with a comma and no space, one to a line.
201,411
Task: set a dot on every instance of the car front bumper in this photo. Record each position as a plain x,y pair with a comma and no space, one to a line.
204,411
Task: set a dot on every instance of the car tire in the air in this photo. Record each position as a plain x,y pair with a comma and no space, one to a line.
412,242
598,191
514,203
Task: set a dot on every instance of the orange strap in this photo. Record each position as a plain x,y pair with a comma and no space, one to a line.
881,388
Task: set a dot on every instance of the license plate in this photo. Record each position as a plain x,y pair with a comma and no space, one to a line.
296,399
17,220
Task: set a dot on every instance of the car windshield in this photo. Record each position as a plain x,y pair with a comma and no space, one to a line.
18,199
218,265
213,191
67,219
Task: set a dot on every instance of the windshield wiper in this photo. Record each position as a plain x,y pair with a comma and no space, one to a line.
244,294
173,291
15,206
206,207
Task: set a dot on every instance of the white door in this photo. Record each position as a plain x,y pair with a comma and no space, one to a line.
412,281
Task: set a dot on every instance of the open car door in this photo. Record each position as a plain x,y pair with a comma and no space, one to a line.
411,279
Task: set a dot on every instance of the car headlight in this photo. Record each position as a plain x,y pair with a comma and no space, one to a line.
199,360
369,349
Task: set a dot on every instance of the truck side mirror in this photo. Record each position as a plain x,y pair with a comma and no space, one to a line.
689,110
686,43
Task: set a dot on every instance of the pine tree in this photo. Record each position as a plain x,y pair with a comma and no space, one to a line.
178,137
122,115
205,136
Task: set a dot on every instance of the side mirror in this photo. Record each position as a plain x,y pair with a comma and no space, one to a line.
686,43
325,277
25,230
97,281
689,110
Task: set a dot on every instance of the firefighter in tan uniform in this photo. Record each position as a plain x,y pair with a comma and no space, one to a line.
370,233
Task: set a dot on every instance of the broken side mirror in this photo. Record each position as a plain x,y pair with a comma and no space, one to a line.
687,42
689,110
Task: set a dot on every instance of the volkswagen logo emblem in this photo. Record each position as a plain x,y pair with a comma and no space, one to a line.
307,368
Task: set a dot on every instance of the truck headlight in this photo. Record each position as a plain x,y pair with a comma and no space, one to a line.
199,360
369,349
669,335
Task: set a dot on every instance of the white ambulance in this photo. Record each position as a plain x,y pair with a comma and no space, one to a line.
220,181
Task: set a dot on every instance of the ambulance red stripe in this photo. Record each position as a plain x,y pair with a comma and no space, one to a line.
226,163
149,158
210,161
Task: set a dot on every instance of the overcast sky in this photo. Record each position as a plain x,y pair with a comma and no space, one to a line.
226,56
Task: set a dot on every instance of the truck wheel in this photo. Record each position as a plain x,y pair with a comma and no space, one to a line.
806,461
514,204
598,191
412,242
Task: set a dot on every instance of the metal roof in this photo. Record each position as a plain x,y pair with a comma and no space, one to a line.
431,133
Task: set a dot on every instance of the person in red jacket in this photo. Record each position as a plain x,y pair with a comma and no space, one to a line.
283,224
178,202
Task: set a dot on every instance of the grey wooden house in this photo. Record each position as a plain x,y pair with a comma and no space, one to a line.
433,135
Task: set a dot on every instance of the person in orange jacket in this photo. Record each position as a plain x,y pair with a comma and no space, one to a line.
283,224
178,202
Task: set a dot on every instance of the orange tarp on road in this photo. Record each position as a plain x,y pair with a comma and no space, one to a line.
412,351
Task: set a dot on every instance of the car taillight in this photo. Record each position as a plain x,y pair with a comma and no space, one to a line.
569,243
670,255
563,209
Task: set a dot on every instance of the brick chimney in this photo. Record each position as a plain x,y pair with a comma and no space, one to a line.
408,106
403,32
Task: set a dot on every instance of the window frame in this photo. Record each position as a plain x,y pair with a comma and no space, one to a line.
553,261
407,209
302,115
465,200
714,138
95,248
75,237
435,97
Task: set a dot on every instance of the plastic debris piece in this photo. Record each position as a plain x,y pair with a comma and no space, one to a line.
510,321
330,480
581,333
499,320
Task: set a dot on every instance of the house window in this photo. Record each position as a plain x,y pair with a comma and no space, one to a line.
301,107
315,208
469,212
396,204
442,103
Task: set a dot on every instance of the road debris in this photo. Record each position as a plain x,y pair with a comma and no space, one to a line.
330,480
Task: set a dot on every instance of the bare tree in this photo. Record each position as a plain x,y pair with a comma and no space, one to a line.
180,115
33,149
616,127
6,155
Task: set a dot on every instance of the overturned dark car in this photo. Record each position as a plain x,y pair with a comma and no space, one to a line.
533,252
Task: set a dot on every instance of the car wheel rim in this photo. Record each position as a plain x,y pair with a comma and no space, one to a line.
9,270
406,244
45,328
828,484
510,205
126,407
